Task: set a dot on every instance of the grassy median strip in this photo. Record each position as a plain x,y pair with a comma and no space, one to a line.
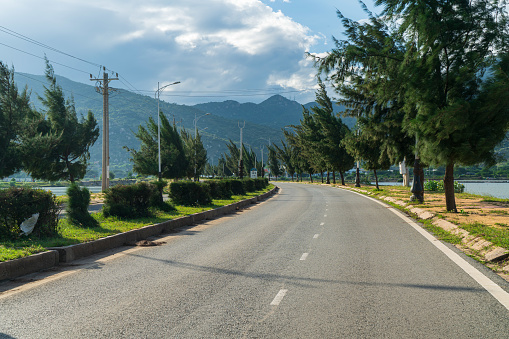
70,234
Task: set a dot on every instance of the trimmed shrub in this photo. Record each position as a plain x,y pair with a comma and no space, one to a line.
130,201
190,193
237,187
438,186
17,204
249,185
261,183
77,206
220,189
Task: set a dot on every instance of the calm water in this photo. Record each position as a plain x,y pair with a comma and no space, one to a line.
494,189
488,188
58,191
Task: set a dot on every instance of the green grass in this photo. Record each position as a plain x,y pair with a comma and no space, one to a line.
497,236
70,234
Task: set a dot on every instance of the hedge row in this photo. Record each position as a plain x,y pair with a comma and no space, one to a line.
17,204
132,201
189,193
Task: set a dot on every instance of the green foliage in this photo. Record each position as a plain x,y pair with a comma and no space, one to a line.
195,153
57,145
77,206
438,186
130,201
190,193
437,72
273,162
220,189
14,112
174,162
237,187
329,145
19,203
261,183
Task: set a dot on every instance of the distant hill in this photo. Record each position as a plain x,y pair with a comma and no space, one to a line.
275,112
129,110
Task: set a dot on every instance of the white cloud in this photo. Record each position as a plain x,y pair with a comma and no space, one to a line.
208,45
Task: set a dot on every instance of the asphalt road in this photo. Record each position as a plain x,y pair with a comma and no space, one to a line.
312,262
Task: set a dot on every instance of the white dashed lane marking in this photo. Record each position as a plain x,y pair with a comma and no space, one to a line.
277,300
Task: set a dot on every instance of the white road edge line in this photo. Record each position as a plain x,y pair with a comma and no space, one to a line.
277,300
321,224
495,290
304,256
316,236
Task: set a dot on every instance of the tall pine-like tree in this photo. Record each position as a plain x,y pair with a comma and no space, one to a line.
56,146
174,162
15,111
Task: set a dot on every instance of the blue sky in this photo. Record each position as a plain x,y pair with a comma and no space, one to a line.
244,50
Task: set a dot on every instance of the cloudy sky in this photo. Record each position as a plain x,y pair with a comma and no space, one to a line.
244,50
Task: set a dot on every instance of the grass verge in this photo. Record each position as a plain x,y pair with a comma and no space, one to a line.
69,234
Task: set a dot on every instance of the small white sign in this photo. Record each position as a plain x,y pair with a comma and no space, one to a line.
254,173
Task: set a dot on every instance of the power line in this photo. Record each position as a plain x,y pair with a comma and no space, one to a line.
40,44
36,56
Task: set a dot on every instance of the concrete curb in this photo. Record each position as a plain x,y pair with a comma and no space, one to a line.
486,250
15,268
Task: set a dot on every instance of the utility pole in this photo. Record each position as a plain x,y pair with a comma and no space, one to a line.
105,91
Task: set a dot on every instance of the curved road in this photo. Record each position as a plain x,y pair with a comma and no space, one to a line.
312,262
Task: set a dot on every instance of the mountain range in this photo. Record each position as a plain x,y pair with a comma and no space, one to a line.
129,110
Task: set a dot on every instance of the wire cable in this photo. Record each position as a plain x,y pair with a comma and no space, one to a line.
40,44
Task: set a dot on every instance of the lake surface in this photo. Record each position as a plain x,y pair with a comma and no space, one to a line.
494,189
487,188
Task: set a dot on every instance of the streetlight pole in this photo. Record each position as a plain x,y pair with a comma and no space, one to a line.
241,164
159,90
195,135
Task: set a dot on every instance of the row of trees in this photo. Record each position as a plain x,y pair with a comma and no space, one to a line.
229,163
52,144
424,78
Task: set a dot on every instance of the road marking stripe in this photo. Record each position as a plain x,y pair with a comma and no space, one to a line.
277,300
321,224
495,290
304,256
316,236
325,215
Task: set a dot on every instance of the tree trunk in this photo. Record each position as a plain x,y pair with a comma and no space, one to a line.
328,178
450,200
310,177
376,180
342,178
321,173
292,177
334,177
